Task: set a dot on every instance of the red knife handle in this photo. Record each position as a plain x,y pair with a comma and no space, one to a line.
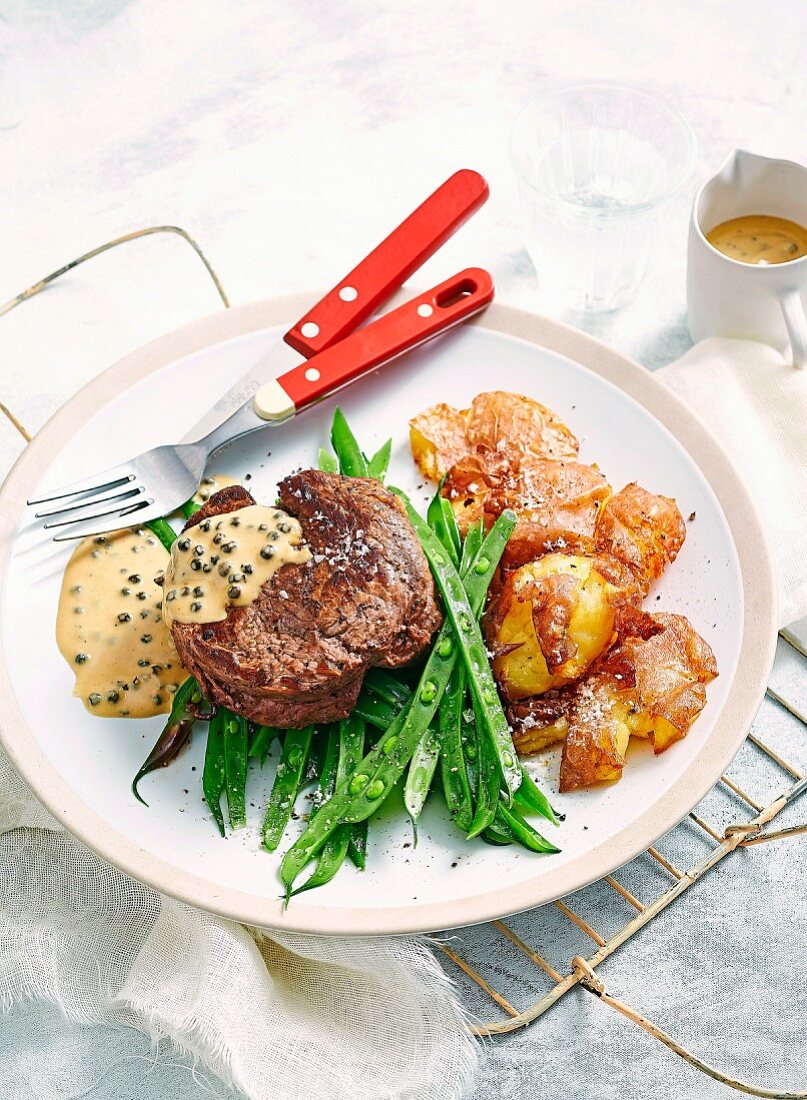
389,265
396,332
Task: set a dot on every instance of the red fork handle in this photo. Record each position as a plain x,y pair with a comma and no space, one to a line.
389,265
396,332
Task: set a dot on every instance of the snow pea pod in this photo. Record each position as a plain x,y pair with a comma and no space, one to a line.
510,820
386,686
328,462
454,774
463,618
290,771
379,464
261,742
532,800
235,768
352,462
419,777
361,795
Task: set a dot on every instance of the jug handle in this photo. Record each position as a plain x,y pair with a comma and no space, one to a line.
796,321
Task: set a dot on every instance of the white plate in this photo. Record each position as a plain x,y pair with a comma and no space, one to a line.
81,766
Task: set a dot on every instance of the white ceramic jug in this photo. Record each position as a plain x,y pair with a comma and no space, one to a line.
726,297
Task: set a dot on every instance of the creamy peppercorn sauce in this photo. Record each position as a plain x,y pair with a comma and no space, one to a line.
210,485
223,561
759,239
110,628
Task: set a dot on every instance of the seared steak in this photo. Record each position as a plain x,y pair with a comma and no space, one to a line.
366,597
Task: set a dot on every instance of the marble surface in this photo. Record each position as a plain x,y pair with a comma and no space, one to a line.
287,138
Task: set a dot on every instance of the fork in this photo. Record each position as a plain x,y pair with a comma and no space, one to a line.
159,481
328,352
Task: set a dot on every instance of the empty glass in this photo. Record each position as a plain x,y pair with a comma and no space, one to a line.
597,165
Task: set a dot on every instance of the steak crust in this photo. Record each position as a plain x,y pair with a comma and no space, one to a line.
297,655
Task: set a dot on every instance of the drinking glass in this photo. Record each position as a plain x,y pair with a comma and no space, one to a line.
597,165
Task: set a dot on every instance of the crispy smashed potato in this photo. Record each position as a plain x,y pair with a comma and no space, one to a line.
642,530
597,736
507,423
576,658
645,687
557,501
438,440
539,722
551,619
515,425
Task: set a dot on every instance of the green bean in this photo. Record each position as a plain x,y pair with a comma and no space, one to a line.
387,687
472,543
290,770
327,461
383,766
213,773
174,736
190,507
451,526
398,744
444,525
261,742
331,858
456,788
378,712
472,648
327,774
316,757
235,768
345,743
351,746
419,777
357,845
532,800
352,732
497,837
487,788
470,746
379,464
521,831
352,462
164,532
509,827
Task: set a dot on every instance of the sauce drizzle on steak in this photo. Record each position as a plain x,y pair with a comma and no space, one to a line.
298,653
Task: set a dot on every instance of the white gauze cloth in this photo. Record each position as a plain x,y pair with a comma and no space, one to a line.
280,1016
755,404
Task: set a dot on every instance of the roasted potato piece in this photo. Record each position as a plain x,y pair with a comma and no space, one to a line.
550,621
539,722
670,672
641,529
557,504
470,482
438,440
597,737
516,426
507,423
645,687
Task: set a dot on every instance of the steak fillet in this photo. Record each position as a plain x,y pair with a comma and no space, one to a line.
297,655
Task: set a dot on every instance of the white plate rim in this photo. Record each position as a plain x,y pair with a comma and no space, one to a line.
755,660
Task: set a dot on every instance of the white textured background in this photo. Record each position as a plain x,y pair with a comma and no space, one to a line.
288,137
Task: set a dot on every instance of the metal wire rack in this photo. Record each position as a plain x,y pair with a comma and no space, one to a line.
581,970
